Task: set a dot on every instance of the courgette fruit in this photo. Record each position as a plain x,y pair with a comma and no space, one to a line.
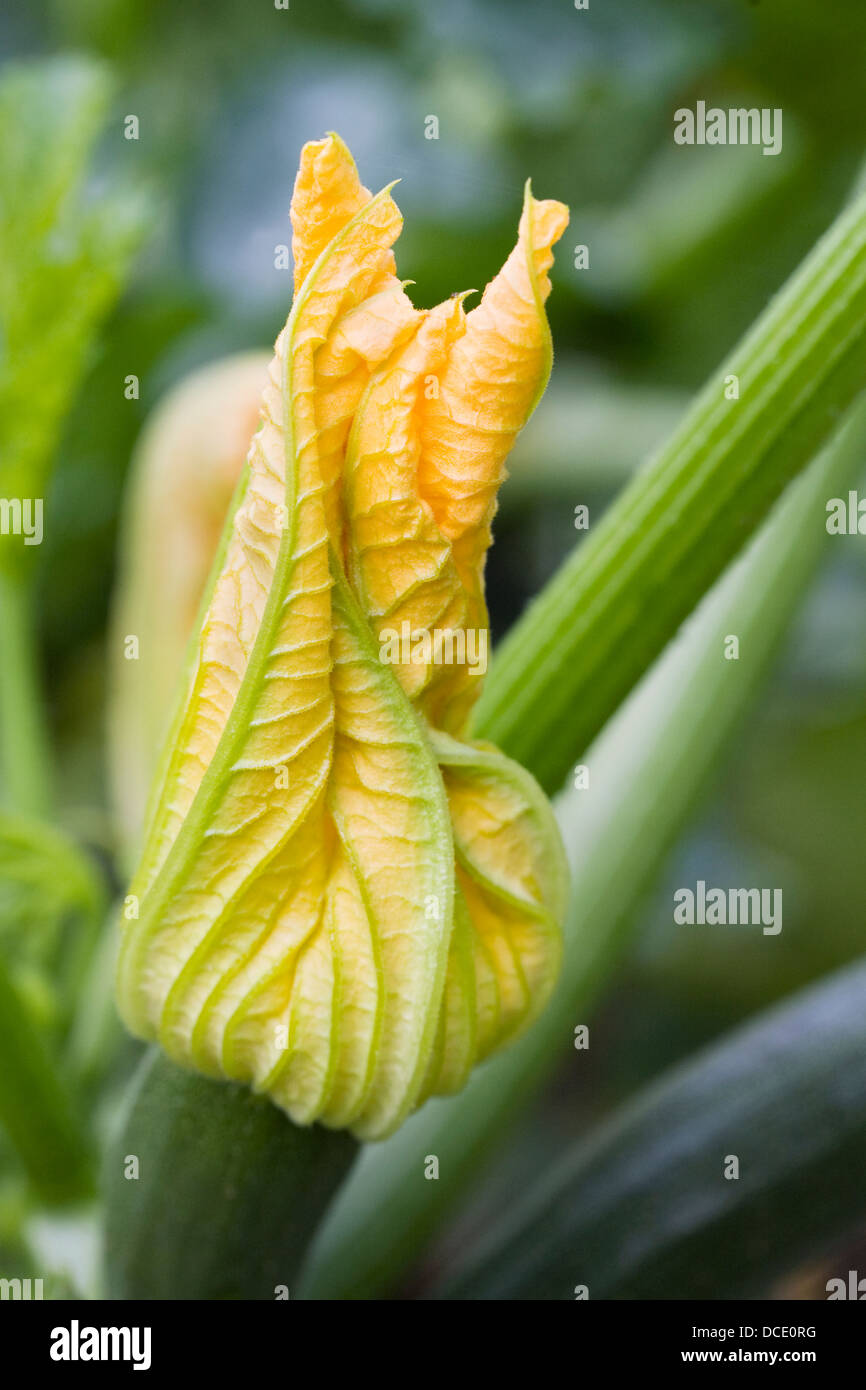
211,1192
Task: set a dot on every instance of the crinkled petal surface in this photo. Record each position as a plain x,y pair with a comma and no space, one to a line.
339,901
184,474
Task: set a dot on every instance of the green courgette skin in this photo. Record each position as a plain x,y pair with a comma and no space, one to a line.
228,1196
644,1211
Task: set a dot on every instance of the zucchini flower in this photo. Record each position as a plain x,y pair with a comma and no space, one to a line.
343,900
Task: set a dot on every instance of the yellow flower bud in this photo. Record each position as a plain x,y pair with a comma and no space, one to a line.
343,901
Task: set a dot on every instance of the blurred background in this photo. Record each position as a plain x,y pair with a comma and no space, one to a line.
685,247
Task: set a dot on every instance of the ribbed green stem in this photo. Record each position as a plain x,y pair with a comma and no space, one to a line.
612,607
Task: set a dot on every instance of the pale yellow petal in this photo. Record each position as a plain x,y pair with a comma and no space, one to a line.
512,874
251,750
391,815
463,1004
183,475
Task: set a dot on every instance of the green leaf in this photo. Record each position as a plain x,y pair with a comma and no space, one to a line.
583,644
669,735
64,255
52,905
44,879
37,1111
63,259
643,1209
226,1195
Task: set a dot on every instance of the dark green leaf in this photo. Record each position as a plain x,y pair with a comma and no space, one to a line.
645,1210
36,1110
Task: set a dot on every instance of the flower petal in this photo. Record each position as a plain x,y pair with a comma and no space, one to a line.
495,374
513,877
257,706
327,195
391,814
358,343
399,563
183,475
